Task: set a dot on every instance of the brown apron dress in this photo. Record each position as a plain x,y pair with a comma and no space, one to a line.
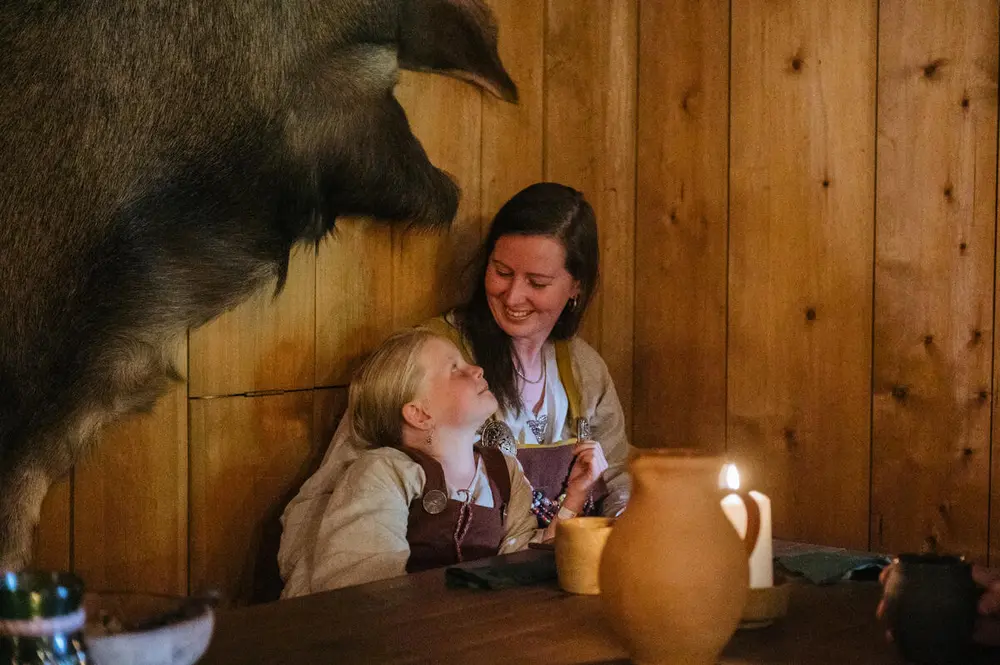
442,531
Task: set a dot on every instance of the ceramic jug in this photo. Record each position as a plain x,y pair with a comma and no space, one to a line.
674,572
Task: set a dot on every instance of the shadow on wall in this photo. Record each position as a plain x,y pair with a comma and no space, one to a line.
260,579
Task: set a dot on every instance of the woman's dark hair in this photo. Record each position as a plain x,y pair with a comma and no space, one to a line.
543,209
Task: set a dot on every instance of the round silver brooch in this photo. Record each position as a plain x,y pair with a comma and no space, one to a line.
496,434
435,502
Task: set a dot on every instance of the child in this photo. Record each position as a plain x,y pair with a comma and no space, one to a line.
423,495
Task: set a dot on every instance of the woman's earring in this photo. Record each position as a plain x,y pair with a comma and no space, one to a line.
430,437
573,302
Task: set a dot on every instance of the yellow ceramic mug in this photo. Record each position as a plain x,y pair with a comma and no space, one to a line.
579,545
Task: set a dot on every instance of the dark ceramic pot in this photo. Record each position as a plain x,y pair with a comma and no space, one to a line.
932,612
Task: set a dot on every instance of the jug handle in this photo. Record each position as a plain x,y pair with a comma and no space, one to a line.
753,521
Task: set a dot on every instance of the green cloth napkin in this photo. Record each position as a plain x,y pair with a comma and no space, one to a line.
502,575
831,567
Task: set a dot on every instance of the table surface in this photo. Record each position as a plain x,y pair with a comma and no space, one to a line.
417,619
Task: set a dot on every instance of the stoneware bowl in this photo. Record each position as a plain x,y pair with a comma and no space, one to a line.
147,629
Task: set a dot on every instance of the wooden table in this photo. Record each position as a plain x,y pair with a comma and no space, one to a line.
416,619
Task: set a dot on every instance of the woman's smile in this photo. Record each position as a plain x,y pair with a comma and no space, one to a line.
517,315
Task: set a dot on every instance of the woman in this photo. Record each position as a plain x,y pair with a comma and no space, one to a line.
423,495
537,273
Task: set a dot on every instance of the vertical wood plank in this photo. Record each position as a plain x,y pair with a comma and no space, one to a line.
446,115
590,91
354,277
800,286
513,133
267,343
53,538
994,526
247,455
934,274
130,503
682,224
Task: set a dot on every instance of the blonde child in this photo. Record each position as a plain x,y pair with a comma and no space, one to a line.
423,495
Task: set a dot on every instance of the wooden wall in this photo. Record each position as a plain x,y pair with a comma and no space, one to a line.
797,204
187,498
815,234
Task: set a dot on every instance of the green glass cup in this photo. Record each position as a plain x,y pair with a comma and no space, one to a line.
41,619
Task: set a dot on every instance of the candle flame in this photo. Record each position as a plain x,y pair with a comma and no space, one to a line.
731,477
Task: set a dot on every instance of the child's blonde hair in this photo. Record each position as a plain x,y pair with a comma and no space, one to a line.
387,381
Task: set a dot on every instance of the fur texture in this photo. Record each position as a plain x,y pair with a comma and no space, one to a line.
160,160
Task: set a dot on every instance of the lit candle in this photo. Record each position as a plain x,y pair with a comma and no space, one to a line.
761,566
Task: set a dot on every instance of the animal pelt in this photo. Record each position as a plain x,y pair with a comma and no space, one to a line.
158,161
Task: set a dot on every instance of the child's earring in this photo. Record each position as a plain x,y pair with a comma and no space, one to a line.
430,437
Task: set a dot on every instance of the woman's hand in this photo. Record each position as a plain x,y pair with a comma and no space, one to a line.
588,465
989,579
988,626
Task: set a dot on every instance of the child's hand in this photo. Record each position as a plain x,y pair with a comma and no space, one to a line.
588,466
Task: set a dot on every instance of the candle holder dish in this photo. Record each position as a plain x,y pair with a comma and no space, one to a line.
766,605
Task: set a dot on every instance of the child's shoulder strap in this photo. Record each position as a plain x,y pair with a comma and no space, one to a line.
497,470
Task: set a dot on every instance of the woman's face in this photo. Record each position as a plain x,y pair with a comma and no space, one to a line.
452,391
528,286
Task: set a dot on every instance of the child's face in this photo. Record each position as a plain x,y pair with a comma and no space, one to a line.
453,392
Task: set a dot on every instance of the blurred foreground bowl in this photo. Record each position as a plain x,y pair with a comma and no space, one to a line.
147,629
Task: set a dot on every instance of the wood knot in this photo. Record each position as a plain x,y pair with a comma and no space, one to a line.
811,314
931,68
797,63
673,216
928,340
930,545
968,452
944,509
900,392
948,194
826,183
690,100
789,435
984,396
962,246
965,102
977,336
